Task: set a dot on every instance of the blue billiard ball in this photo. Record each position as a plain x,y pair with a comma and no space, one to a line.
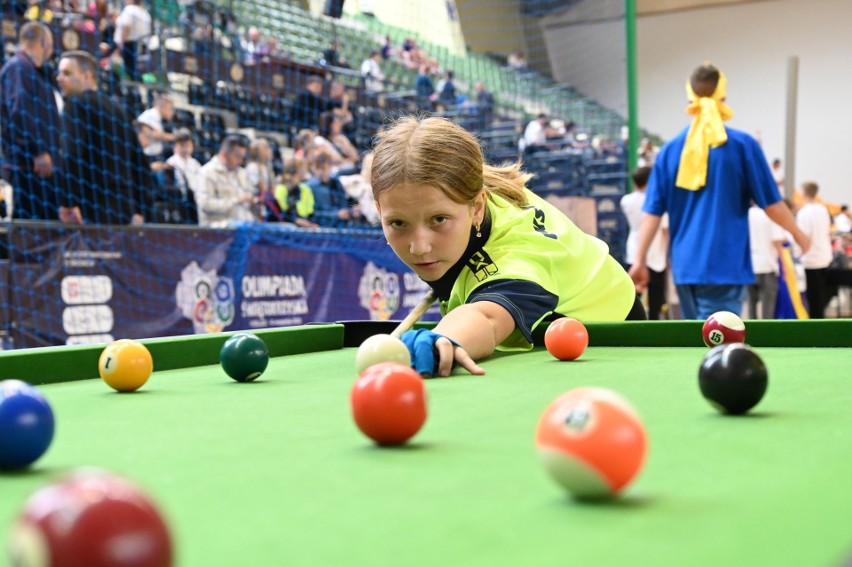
26,424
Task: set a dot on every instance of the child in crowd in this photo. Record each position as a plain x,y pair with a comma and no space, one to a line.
500,259
294,201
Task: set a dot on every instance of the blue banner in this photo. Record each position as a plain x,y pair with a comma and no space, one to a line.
92,285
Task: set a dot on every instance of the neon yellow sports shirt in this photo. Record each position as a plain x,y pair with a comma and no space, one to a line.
539,244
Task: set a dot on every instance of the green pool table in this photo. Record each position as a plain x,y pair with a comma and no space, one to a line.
275,473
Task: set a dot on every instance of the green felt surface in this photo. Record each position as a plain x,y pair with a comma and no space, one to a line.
275,473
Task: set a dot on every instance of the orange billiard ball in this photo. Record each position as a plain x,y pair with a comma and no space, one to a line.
389,403
566,338
591,442
125,365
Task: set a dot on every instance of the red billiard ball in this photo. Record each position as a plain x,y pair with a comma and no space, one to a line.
591,442
723,327
733,378
389,403
566,338
91,518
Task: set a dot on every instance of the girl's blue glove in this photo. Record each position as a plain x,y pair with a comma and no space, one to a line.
421,345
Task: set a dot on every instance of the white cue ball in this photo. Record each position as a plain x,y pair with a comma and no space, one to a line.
381,348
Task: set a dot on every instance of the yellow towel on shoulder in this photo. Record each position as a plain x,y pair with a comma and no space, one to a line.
706,131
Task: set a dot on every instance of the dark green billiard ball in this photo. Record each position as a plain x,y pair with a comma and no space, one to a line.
244,357
733,378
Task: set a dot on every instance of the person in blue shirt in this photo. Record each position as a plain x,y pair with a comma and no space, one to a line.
424,87
31,125
447,91
332,206
705,179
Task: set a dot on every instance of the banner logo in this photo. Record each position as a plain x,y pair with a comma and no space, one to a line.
205,299
379,292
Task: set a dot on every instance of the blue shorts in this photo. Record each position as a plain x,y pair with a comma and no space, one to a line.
700,301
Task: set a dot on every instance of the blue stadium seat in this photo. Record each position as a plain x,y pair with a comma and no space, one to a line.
184,119
131,99
212,122
199,94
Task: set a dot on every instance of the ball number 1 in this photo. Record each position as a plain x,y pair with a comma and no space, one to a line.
107,367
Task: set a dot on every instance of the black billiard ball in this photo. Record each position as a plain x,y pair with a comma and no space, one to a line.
733,378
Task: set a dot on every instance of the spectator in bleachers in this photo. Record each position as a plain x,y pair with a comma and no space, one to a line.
344,154
562,135
332,207
387,48
259,171
374,79
413,56
341,106
273,49
132,26
30,125
306,147
332,56
424,87
253,47
408,53
814,220
446,90
107,178
309,104
358,187
187,168
224,196
204,40
294,201
517,61
309,144
303,144
162,112
104,16
145,135
536,134
484,105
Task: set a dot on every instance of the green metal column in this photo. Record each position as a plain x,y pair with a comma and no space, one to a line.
632,95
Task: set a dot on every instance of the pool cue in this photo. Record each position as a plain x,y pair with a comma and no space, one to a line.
415,314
